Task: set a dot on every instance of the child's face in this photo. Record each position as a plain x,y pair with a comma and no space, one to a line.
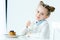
41,13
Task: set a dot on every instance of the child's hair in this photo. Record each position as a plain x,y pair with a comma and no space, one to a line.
49,8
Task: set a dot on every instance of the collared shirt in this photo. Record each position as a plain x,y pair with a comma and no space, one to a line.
35,27
39,22
39,29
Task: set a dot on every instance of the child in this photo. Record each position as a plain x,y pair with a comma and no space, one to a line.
40,26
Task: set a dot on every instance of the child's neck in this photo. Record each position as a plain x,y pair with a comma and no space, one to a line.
40,20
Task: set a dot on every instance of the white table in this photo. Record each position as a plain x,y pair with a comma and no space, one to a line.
2,37
56,37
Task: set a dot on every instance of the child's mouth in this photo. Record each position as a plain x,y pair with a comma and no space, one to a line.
38,17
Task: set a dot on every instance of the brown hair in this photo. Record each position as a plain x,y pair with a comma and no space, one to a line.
49,8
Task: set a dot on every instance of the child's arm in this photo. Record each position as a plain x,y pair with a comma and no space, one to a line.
25,31
45,30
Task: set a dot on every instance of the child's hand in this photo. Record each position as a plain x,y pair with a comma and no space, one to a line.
28,23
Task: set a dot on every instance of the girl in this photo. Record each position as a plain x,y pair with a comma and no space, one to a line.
40,27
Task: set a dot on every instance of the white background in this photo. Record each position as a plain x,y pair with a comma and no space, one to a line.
21,10
2,17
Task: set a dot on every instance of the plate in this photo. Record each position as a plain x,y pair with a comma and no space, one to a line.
11,36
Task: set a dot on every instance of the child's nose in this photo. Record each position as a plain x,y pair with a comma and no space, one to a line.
38,14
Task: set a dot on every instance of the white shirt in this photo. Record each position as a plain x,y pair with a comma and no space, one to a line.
38,29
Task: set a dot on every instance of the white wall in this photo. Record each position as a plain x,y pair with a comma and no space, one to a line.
2,17
21,10
18,12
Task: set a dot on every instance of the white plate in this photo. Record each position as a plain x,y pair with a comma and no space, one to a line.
11,36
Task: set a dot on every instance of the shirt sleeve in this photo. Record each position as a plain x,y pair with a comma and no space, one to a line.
44,30
25,31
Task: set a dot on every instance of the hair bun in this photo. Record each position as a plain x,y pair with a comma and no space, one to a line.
41,3
51,9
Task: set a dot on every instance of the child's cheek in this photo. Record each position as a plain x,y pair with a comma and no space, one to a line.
42,17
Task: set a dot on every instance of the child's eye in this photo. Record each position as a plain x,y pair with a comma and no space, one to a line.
37,11
42,14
